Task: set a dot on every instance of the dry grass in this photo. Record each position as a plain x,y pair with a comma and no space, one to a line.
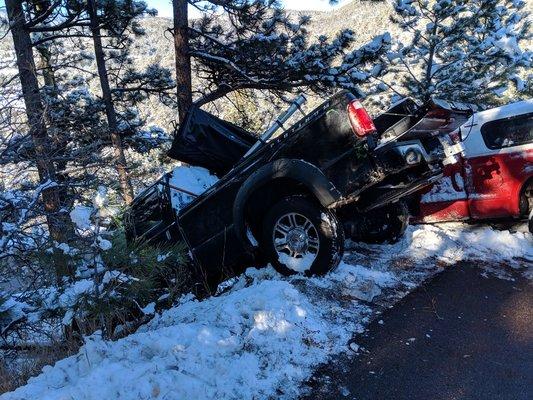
17,367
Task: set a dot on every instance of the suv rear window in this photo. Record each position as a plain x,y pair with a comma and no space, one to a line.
508,132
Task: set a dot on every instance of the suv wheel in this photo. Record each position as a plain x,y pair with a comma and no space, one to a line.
300,236
526,199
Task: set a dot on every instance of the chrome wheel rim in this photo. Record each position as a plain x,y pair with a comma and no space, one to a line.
296,241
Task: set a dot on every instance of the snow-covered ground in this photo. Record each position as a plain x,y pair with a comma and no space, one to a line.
264,334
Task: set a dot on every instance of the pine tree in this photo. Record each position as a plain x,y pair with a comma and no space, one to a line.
68,141
239,45
116,139
58,221
466,50
110,24
182,57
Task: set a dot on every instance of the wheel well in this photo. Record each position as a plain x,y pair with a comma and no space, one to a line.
527,186
269,194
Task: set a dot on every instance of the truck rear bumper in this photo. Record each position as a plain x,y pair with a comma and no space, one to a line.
393,195
442,151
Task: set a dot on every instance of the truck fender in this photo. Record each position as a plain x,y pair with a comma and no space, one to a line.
299,170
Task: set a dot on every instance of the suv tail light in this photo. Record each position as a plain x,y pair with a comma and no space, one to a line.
362,124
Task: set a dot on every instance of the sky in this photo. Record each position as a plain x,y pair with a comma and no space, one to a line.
165,9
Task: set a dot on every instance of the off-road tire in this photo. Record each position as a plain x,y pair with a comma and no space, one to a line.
382,225
328,228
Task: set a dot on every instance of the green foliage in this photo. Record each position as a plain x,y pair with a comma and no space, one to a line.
157,266
137,275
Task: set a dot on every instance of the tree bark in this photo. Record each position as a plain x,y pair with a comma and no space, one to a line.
116,139
59,224
428,73
48,73
56,133
183,57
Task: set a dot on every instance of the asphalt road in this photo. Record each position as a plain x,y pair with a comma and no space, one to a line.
460,336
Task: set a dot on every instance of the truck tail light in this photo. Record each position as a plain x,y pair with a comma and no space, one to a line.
438,113
362,124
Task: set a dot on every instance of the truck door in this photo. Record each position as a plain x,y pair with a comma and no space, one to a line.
498,168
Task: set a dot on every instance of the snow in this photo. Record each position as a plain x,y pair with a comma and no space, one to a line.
103,244
444,190
243,344
81,216
509,44
454,242
101,199
264,334
194,179
300,264
73,292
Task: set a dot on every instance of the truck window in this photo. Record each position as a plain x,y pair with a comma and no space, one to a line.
508,132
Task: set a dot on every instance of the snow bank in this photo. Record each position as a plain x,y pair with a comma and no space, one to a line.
424,246
265,334
452,242
260,339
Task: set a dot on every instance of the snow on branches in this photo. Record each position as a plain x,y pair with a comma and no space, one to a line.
252,46
469,50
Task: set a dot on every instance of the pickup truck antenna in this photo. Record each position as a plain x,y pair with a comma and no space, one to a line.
278,123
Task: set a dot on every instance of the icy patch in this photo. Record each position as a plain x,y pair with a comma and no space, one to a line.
193,179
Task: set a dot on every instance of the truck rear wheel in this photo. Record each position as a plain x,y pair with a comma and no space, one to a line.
301,236
384,224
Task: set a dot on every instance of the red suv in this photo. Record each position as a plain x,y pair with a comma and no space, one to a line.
493,177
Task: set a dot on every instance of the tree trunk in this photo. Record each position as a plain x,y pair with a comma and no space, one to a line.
116,140
59,223
45,66
428,73
183,58
56,133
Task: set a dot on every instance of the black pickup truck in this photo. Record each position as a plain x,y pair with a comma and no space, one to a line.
291,199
